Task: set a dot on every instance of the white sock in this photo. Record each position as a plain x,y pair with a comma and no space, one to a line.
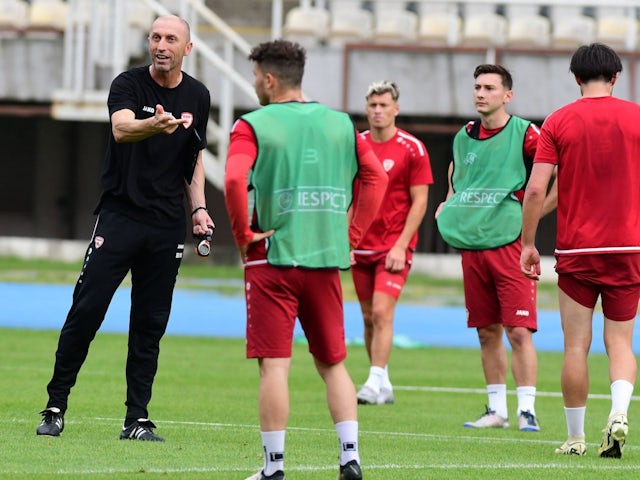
526,399
348,437
575,420
386,383
497,394
621,391
273,444
376,374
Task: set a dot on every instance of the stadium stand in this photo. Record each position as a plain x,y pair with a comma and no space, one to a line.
482,25
48,14
394,22
350,22
571,27
440,23
307,25
540,24
526,27
14,14
617,27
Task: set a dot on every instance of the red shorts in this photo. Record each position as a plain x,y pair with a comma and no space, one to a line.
496,291
369,275
613,277
277,295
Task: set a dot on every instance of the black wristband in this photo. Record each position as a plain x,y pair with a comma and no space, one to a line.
199,208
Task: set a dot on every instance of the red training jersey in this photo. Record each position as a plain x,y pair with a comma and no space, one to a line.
595,142
406,161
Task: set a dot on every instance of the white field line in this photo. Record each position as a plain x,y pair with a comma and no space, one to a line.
549,467
483,391
430,467
427,467
168,424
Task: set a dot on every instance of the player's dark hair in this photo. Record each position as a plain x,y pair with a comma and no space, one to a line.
507,80
595,62
281,58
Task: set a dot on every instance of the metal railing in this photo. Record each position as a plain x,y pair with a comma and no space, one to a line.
95,51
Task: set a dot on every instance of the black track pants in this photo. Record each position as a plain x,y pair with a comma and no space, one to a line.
153,256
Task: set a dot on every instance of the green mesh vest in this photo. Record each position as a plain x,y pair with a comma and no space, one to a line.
302,182
483,212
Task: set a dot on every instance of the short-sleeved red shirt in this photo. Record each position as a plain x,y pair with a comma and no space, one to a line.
595,142
406,161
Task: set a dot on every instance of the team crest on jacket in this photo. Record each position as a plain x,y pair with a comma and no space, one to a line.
188,118
387,164
98,241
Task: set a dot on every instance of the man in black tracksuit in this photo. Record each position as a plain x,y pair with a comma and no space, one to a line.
158,117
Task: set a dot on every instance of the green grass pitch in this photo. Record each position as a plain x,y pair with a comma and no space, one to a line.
205,405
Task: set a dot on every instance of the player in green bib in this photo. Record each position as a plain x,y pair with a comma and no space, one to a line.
296,191
298,160
482,217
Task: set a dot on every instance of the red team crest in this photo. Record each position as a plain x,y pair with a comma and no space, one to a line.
98,242
188,118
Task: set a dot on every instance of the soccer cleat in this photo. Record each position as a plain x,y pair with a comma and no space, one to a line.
350,471
277,475
489,419
52,423
615,435
573,446
368,396
141,429
386,396
527,422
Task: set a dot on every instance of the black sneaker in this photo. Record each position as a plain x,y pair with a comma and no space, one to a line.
350,471
52,424
141,429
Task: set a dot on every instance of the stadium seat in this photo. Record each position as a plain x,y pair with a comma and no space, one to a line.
307,26
617,27
395,25
48,14
389,6
437,6
482,25
526,27
440,28
617,32
570,27
14,14
532,31
349,23
481,8
440,23
344,5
